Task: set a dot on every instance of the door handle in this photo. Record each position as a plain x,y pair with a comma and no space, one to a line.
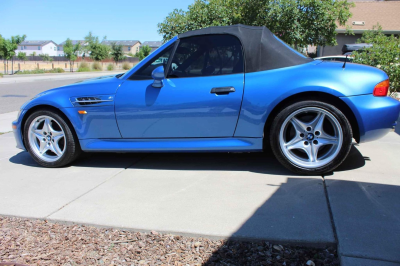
222,90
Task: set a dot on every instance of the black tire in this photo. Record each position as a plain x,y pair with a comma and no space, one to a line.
72,147
274,138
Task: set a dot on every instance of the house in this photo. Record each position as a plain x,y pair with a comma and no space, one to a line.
152,44
38,47
366,14
60,49
128,46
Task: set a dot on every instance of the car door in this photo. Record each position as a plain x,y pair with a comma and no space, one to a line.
201,95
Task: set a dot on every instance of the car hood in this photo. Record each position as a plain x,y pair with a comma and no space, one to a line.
101,78
60,97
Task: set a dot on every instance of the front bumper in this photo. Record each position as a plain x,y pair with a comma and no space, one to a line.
376,116
17,130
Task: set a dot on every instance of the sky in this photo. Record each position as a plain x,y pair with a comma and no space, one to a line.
58,20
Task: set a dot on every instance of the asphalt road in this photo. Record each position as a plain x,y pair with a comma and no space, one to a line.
13,95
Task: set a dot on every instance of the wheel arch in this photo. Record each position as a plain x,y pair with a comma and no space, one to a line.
318,96
46,107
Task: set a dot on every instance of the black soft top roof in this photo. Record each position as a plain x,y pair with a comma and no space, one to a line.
262,49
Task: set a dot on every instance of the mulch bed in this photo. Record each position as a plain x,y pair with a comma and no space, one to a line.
38,242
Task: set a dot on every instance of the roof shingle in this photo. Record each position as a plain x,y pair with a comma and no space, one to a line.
121,42
37,42
73,42
386,13
152,44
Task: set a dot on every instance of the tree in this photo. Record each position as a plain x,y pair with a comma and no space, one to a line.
97,50
33,54
8,48
16,40
384,54
297,22
117,52
71,52
1,45
143,52
46,57
22,56
1,52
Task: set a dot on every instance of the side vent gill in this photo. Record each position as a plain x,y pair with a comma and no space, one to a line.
92,100
87,100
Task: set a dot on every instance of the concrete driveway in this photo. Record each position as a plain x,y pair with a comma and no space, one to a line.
220,195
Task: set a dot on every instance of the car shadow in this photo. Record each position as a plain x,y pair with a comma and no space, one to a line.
151,95
397,128
365,215
263,162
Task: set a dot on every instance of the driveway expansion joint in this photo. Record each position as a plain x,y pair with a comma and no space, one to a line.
367,258
330,211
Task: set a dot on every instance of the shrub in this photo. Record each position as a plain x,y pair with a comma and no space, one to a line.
1,75
56,70
41,71
83,67
126,66
384,54
97,66
110,67
36,71
46,57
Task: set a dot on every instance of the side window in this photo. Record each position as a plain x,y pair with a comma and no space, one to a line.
207,55
159,60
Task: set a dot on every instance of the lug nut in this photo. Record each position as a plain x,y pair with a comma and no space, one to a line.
45,133
308,128
317,133
301,135
44,139
315,142
306,143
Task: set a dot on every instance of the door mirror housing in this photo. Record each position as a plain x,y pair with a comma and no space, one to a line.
158,76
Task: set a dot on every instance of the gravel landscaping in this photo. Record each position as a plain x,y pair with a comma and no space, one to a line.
38,242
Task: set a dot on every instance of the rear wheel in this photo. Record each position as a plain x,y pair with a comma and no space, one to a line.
49,139
311,137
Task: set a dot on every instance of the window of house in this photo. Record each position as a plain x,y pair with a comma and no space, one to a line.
159,60
25,47
38,47
55,49
129,48
207,55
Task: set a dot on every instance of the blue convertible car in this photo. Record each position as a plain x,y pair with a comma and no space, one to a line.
222,89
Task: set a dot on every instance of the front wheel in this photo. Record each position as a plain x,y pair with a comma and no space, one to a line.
49,139
311,137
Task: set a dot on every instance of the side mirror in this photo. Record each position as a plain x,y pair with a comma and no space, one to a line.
158,76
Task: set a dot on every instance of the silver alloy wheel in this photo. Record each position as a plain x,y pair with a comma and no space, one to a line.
311,137
46,138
